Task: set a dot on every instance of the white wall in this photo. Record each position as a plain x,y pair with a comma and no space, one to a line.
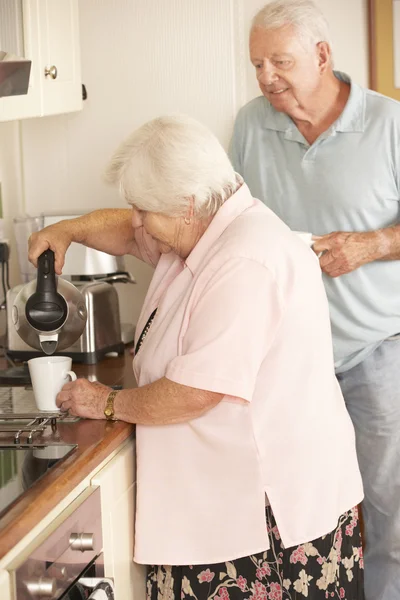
141,59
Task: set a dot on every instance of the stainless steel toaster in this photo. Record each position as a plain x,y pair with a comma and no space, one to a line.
101,335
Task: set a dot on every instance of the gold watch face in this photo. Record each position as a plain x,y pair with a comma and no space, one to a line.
108,412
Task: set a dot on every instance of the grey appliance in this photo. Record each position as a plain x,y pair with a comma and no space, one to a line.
49,313
101,335
94,274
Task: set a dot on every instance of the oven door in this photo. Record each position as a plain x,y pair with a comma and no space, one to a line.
91,585
69,553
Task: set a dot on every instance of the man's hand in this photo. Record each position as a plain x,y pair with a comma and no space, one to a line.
54,237
83,399
343,252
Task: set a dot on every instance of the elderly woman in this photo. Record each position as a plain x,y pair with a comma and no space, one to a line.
247,473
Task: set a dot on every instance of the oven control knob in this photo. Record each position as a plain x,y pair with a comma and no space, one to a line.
42,588
60,573
81,541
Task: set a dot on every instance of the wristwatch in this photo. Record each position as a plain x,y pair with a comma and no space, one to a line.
109,409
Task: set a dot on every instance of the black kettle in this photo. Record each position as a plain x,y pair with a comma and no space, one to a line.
49,313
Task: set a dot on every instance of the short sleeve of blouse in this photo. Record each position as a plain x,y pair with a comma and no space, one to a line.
230,329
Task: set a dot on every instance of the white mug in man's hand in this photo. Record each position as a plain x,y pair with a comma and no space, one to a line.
305,236
48,375
308,238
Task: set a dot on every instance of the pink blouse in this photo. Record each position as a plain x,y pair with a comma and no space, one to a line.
245,315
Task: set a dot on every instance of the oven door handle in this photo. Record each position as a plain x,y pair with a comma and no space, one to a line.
101,588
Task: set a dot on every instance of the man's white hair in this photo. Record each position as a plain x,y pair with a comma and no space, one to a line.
304,15
167,162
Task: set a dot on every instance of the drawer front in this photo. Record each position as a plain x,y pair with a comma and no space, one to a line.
67,551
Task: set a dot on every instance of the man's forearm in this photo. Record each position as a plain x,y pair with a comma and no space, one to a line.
108,230
163,402
388,243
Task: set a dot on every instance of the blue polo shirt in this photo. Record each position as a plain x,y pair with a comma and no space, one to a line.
347,180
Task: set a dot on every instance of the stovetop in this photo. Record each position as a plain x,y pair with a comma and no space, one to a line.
30,444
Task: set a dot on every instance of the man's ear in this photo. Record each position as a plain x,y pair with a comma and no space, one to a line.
324,56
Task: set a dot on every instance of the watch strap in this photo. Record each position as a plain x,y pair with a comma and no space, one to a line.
109,408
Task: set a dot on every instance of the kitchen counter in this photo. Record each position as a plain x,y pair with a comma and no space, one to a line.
95,439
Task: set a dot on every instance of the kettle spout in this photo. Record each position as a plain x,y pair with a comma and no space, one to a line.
48,343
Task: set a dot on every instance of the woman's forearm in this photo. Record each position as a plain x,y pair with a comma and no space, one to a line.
108,230
163,402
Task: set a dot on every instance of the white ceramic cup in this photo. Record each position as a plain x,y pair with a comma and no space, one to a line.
305,236
48,375
308,239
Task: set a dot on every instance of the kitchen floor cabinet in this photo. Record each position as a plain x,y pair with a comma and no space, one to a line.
5,586
116,483
117,489
46,32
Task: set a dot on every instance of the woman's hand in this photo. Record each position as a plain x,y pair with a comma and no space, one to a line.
54,237
83,399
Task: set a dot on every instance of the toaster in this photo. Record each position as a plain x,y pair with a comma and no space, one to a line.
102,333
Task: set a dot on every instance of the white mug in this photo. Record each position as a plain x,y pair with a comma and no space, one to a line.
305,236
48,375
309,239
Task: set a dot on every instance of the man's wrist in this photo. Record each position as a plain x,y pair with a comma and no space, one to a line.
388,243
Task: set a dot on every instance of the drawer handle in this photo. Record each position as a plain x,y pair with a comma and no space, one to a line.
51,72
81,541
43,588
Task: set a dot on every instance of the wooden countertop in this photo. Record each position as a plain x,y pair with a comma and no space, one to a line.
95,439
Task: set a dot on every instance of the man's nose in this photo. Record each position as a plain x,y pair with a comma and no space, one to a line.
267,75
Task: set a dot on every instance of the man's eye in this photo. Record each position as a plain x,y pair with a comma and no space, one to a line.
282,63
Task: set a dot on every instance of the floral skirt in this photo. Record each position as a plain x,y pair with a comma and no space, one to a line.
328,567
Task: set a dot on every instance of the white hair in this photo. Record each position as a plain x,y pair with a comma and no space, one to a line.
167,162
304,15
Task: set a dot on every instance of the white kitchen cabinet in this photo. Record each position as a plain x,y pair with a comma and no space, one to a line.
46,32
19,36
59,55
5,585
117,489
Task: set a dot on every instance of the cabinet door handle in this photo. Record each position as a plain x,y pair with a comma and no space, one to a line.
51,72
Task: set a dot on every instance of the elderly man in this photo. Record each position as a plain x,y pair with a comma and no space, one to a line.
324,154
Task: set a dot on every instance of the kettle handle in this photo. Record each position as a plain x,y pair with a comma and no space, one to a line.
46,276
46,310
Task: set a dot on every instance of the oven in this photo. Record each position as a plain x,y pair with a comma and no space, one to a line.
67,562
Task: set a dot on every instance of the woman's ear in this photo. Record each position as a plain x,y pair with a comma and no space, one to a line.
190,210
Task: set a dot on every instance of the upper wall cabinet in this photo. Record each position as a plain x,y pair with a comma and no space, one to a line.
47,33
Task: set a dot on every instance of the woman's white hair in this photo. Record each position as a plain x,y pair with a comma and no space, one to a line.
304,15
167,162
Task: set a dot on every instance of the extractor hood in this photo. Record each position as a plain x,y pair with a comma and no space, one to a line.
14,75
